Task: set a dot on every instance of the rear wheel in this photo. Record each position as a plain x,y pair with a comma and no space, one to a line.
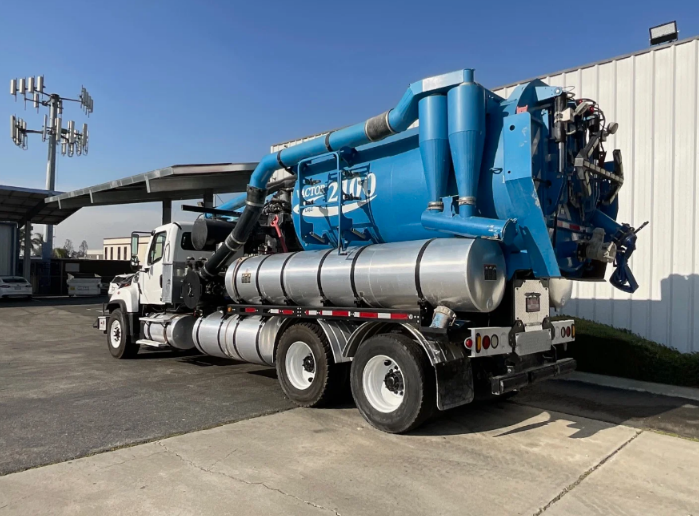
306,368
118,337
393,383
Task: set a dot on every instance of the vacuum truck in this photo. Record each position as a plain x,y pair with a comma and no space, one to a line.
415,266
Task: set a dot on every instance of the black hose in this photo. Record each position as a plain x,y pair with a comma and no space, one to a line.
240,234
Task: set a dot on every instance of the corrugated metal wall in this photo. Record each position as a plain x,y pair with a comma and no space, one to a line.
654,98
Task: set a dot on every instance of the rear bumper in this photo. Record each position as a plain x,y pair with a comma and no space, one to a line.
501,341
514,381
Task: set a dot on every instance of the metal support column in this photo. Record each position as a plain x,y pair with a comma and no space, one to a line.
47,248
54,105
209,199
27,258
167,211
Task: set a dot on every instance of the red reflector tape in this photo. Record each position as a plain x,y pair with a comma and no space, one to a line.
403,317
288,312
340,313
251,310
370,315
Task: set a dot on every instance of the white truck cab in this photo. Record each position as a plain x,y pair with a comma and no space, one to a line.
138,302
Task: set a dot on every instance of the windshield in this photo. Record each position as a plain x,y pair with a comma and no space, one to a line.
13,279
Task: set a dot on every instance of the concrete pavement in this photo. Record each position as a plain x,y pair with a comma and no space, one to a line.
485,459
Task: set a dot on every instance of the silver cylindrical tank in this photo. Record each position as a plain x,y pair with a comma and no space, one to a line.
172,329
205,335
269,278
336,276
560,292
301,278
463,274
384,275
460,273
249,339
246,279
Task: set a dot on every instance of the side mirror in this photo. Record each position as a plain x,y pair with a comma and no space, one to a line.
135,263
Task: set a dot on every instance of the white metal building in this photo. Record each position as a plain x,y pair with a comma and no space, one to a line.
654,96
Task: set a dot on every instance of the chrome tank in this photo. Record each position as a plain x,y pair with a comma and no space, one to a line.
172,329
560,292
248,339
461,273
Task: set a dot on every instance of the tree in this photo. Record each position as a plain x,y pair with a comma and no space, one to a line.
68,247
60,253
37,242
82,250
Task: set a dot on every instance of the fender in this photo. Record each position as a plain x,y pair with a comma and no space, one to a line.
129,297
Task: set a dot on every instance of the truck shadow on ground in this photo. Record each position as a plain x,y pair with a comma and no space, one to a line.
504,418
581,406
584,408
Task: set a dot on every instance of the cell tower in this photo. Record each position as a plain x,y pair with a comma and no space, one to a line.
72,141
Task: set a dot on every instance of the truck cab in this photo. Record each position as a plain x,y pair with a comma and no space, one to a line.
160,275
155,288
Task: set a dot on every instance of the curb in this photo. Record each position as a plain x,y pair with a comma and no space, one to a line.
675,391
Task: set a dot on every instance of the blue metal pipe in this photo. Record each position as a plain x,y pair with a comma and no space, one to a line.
434,147
237,202
473,227
374,129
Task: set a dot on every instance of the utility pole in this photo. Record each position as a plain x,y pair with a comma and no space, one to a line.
71,140
54,102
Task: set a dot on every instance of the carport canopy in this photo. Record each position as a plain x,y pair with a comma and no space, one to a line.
22,205
174,183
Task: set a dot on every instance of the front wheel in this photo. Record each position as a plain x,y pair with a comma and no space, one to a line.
393,383
118,337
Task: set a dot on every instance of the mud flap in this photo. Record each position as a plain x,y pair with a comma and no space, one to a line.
454,383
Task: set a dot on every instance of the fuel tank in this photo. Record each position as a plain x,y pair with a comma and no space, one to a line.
461,273
248,339
172,329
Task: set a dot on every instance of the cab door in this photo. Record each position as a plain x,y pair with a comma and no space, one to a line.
152,272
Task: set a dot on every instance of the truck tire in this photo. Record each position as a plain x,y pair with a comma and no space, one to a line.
393,383
119,337
306,368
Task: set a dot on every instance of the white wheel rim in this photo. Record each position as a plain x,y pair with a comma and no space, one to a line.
378,372
115,334
300,365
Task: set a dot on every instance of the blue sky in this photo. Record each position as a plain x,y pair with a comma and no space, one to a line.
204,82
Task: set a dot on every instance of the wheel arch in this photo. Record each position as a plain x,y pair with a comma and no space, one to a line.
338,334
434,351
131,318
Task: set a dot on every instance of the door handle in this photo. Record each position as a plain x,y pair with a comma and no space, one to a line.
161,281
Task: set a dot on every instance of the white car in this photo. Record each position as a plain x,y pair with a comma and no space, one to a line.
15,286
